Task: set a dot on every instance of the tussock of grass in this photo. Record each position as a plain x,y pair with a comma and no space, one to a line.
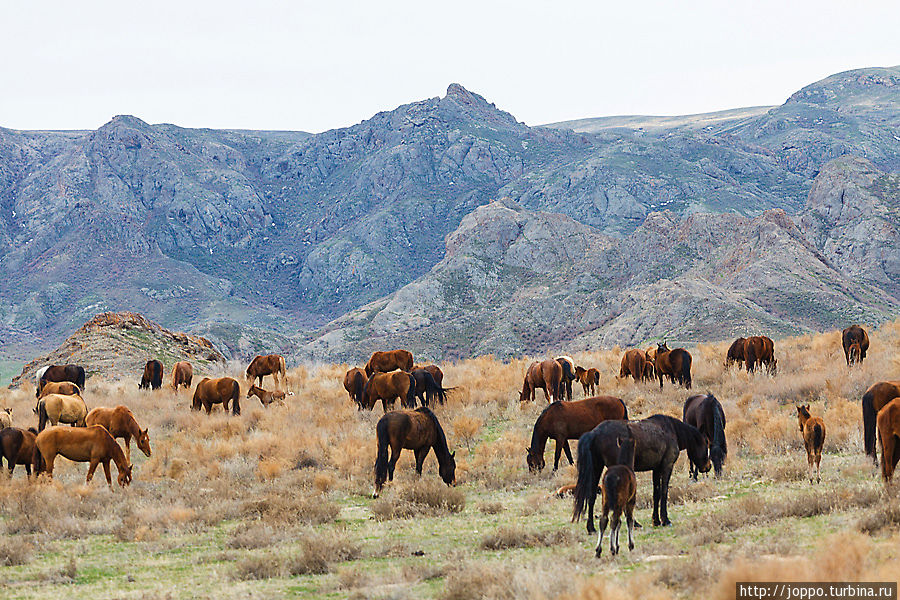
422,497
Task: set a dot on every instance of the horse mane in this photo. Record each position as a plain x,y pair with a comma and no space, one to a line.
718,425
686,434
534,432
441,449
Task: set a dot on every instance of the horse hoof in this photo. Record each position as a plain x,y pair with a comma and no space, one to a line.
631,546
598,553
638,525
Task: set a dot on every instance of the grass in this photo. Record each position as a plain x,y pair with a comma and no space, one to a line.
277,503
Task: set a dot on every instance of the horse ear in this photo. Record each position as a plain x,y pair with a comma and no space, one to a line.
453,454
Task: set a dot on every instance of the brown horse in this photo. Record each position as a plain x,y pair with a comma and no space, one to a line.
812,430
120,423
417,430
427,389
17,447
634,363
674,364
89,444
546,375
59,408
568,376
265,397
619,494
589,380
649,366
563,421
889,434
384,362
72,373
152,377
272,364
876,397
355,383
760,350
218,391
435,371
855,341
66,388
182,374
387,387
735,353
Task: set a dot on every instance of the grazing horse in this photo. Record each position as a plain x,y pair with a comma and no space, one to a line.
17,447
5,418
435,372
427,389
417,430
120,423
66,388
72,373
546,375
658,441
221,390
589,380
706,414
674,364
619,494
90,444
384,362
876,398
735,353
812,430
633,363
152,377
568,376
855,341
182,374
889,434
265,396
355,383
387,387
760,350
271,364
563,421
59,408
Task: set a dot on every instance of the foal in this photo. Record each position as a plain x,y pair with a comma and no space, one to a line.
812,430
266,397
619,495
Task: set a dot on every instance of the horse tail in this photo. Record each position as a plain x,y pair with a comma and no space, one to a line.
37,461
719,427
869,415
818,436
597,378
359,385
235,398
624,409
432,388
42,415
411,392
381,459
686,370
588,478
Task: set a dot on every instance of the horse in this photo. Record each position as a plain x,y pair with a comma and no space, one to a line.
889,434
152,377
355,383
221,390
568,375
735,353
675,364
120,423
90,444
649,366
435,372
387,387
705,413
760,350
59,408
564,421
272,364
66,388
427,389
5,418
855,341
17,447
182,374
589,380
658,441
546,375
874,399
417,430
265,397
812,430
619,494
390,360
72,373
633,363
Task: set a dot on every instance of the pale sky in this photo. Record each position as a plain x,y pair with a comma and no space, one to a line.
314,66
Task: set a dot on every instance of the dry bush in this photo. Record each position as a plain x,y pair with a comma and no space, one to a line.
15,550
514,537
254,535
465,428
319,552
491,508
264,565
885,515
422,497
291,508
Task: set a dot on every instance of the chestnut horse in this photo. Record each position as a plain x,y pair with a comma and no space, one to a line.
182,374
855,341
417,430
355,383
387,387
384,362
59,408
546,375
812,430
674,364
218,391
760,350
265,396
17,447
563,421
66,388
633,363
876,398
735,353
72,373
706,414
568,376
589,380
120,423
152,377
88,444
889,434
272,364
619,493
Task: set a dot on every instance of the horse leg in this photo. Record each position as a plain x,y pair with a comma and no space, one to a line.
107,473
818,460
664,496
614,532
604,521
127,438
657,488
395,456
592,498
91,469
557,452
421,453
629,520
568,452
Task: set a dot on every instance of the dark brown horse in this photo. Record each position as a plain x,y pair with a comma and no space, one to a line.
427,389
812,430
889,434
271,364
355,383
674,364
387,387
855,341
66,388
874,399
759,350
568,376
589,380
563,421
546,375
619,494
153,375
384,362
417,430
435,372
182,374
84,444
17,447
634,364
706,414
735,353
72,373
120,423
221,390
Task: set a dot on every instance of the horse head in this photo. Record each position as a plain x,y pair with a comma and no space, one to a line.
662,347
802,415
125,475
448,469
143,442
534,460
699,454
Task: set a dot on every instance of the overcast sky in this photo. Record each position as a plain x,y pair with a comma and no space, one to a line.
318,65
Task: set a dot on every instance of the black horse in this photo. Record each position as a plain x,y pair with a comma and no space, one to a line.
427,388
706,414
658,441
